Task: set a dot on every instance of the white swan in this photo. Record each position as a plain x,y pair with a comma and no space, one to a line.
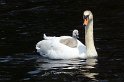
67,47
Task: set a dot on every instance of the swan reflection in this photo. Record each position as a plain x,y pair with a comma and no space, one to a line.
90,64
83,67
47,64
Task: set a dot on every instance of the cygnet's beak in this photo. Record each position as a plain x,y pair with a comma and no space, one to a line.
77,36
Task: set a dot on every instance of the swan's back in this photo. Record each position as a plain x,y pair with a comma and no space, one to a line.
71,42
54,49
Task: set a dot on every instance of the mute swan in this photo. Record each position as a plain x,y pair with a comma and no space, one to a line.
67,47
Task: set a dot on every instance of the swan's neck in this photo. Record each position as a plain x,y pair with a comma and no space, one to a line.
89,40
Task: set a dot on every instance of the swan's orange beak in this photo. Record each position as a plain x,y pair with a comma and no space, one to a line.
86,20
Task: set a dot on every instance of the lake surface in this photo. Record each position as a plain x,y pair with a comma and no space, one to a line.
22,24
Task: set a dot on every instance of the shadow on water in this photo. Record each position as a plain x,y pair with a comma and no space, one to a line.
22,24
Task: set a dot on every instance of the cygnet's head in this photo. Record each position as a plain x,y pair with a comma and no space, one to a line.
87,16
75,33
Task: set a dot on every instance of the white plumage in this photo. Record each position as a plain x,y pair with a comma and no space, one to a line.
52,48
67,47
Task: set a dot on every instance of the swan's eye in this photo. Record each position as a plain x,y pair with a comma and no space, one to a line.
85,16
86,20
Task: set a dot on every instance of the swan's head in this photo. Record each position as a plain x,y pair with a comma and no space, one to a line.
87,16
75,33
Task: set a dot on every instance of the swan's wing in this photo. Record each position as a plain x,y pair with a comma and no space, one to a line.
51,43
52,48
44,46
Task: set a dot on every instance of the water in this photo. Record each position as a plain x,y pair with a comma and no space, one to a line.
22,24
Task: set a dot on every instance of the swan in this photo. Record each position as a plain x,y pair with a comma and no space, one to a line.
63,47
67,47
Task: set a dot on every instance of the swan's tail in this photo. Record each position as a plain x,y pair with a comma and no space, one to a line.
47,37
44,36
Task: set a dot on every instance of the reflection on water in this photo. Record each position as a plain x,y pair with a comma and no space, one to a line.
36,68
64,64
31,67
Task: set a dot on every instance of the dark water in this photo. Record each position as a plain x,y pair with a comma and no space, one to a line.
22,24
